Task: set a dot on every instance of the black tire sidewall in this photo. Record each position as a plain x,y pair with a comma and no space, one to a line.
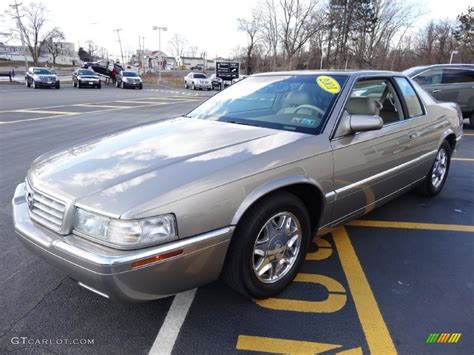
436,190
249,231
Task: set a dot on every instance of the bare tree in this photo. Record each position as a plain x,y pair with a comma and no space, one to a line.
54,45
193,51
177,45
31,21
250,27
296,28
267,14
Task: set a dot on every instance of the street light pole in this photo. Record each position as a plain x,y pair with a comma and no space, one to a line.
452,55
160,59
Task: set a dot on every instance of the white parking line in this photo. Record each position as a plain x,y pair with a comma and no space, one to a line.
174,320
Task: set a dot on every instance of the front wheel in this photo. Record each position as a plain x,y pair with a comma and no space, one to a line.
58,85
268,247
471,120
436,178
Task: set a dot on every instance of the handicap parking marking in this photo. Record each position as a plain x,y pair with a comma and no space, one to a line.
372,323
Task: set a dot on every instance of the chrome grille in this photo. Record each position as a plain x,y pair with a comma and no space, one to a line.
45,210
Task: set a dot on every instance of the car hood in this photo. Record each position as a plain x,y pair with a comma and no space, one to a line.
169,160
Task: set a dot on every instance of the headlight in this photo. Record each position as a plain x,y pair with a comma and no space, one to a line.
125,234
125,79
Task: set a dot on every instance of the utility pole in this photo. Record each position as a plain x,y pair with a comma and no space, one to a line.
120,43
20,28
160,59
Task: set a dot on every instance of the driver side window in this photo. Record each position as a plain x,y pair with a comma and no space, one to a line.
375,97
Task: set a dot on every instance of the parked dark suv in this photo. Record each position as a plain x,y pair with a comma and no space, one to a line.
448,82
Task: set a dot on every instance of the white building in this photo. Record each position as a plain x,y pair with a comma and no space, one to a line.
67,56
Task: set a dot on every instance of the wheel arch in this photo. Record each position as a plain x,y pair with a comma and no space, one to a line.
307,189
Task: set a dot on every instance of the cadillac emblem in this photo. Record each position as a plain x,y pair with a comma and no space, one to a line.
29,199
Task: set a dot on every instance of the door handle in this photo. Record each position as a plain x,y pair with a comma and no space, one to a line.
436,90
413,135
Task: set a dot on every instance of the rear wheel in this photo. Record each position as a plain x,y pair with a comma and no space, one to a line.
436,178
268,246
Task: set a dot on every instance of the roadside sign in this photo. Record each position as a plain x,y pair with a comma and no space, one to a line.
227,70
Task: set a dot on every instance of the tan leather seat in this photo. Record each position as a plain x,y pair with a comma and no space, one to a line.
363,106
294,99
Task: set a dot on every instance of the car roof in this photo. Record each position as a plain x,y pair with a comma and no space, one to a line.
447,65
332,72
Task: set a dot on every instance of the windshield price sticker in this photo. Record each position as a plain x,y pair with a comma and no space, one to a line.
329,84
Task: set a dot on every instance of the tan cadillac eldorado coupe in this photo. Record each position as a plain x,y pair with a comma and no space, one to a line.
236,188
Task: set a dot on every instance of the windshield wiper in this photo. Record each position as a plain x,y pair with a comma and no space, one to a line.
243,123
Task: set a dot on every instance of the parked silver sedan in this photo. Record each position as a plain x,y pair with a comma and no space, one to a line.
237,187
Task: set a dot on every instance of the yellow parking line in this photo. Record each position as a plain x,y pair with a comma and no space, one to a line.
279,346
463,159
47,112
412,225
374,327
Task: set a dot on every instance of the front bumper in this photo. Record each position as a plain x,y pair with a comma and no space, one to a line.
109,272
132,85
90,83
46,84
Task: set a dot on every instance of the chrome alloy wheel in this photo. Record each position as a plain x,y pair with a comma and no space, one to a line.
277,246
439,168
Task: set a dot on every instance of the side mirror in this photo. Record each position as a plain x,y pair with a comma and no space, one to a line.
363,123
350,124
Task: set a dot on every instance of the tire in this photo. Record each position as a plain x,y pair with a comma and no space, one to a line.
78,84
471,120
116,84
58,85
74,83
122,85
33,84
430,187
193,87
27,83
241,264
186,85
99,86
140,87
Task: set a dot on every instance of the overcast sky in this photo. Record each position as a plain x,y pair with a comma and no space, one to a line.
208,24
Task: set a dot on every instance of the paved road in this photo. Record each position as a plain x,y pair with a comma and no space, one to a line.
402,272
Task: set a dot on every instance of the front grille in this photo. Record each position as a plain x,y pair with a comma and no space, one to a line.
45,210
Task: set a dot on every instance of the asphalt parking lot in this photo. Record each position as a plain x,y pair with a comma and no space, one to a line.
378,285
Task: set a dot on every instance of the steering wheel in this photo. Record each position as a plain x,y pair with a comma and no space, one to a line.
310,107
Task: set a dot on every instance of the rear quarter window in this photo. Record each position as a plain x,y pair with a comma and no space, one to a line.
411,98
453,76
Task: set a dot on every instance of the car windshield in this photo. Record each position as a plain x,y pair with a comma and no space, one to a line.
41,71
299,103
200,76
86,72
129,73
